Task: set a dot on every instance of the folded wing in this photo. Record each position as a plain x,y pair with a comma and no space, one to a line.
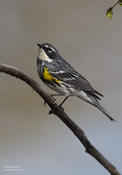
64,72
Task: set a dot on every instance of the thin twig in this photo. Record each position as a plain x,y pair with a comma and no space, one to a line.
59,112
115,4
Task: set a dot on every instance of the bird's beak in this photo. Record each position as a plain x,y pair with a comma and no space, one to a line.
39,45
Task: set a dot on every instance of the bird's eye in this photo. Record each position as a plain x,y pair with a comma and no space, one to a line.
49,50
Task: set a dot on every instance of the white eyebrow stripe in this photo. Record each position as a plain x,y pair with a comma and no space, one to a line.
50,48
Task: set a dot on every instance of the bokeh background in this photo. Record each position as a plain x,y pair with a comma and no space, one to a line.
31,141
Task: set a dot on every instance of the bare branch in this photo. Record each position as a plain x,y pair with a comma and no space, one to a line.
59,112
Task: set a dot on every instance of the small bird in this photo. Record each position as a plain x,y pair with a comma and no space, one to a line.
61,77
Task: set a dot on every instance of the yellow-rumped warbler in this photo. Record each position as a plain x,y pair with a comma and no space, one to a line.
60,76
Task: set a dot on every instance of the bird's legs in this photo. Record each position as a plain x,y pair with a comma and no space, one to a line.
50,112
60,95
64,101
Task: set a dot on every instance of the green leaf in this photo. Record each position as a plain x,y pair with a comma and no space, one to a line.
109,13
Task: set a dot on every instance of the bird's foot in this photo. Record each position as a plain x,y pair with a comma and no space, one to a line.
61,109
51,111
45,102
54,100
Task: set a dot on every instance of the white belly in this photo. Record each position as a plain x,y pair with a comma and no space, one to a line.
60,89
68,90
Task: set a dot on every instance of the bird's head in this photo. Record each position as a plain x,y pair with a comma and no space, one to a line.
47,52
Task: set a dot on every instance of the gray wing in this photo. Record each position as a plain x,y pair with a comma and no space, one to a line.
64,72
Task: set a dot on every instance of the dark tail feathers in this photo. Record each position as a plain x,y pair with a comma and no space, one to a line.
97,104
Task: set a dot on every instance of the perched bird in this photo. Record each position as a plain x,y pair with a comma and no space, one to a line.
61,77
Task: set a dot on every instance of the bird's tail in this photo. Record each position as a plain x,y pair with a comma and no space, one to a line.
93,100
104,111
100,107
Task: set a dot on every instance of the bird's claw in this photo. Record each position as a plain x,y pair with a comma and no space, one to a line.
45,102
61,108
51,111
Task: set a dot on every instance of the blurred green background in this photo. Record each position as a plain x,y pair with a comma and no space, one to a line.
31,141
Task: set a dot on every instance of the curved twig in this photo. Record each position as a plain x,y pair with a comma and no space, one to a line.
57,110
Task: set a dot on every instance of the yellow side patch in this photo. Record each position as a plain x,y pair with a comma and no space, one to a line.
48,77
